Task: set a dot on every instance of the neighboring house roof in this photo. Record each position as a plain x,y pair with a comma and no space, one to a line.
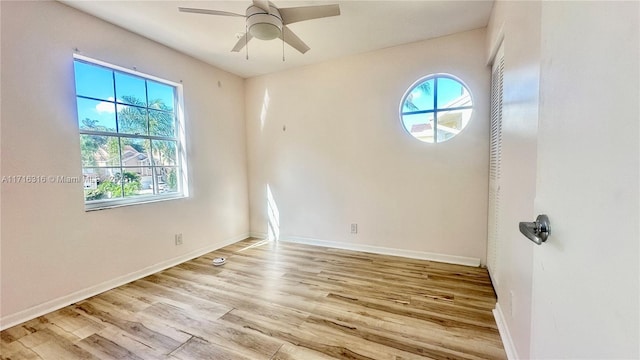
418,128
128,153
101,156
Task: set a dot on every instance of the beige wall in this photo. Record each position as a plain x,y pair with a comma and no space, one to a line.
517,25
327,141
53,251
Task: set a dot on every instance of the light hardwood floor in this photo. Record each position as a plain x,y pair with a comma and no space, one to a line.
275,300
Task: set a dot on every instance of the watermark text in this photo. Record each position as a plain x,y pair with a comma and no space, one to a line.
41,179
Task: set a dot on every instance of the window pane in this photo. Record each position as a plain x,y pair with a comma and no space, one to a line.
128,129
164,152
162,123
96,115
135,152
452,94
420,126
93,81
132,120
131,89
450,123
133,180
420,98
146,181
161,96
167,179
99,150
102,183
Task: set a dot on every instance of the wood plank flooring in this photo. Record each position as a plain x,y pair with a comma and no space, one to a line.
275,300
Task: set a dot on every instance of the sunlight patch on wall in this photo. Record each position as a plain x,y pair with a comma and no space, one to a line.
265,109
273,215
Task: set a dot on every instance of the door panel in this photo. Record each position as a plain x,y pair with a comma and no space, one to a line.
585,277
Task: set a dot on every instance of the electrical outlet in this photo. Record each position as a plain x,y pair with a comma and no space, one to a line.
354,228
178,238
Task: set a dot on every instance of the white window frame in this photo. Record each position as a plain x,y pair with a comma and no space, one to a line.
436,110
180,138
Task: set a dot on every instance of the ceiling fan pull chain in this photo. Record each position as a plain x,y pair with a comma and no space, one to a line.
282,46
246,39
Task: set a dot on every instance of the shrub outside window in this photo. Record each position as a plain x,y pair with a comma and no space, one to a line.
436,108
131,138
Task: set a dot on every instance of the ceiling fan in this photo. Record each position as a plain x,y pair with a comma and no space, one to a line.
266,21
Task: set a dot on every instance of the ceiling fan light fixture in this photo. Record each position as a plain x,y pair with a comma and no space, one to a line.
264,31
265,21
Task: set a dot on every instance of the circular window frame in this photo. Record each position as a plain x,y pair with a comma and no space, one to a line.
435,109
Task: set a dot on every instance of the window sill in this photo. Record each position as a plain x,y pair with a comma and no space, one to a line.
111,204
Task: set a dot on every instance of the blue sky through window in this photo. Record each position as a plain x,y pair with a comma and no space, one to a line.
93,81
162,92
130,89
437,102
128,135
448,90
97,82
102,111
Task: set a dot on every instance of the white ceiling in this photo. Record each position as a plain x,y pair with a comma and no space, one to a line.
362,26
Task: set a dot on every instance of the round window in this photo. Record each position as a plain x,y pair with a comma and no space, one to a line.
436,108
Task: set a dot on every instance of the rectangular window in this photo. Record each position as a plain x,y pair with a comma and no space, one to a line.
131,135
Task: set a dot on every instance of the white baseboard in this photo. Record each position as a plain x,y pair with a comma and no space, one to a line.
505,335
258,235
451,259
55,304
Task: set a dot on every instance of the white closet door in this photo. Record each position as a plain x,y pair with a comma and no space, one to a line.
494,164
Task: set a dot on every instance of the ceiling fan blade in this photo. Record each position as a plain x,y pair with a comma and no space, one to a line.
242,42
293,40
295,14
262,4
208,12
